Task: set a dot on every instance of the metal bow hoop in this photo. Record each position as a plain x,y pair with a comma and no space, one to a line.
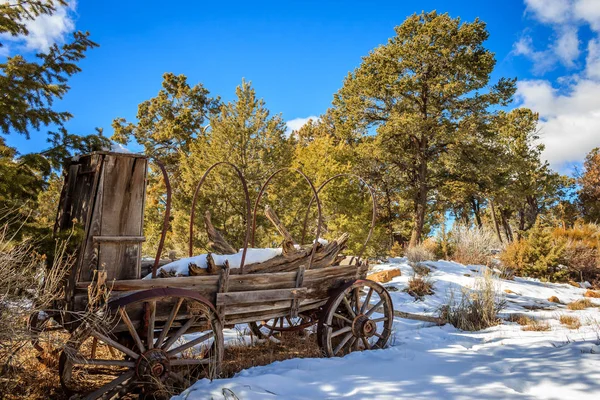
248,209
315,196
373,214
163,235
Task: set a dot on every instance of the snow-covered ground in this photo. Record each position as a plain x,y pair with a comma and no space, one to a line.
431,362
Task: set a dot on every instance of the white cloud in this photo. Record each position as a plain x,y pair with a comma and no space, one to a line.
570,122
566,46
297,123
592,61
569,106
589,11
46,30
543,61
549,11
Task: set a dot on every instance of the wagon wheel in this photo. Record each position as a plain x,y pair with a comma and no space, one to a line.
358,317
145,352
40,324
273,329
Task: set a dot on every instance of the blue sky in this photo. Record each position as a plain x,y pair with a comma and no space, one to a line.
297,53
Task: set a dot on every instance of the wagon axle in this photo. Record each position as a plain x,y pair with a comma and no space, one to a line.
153,365
362,326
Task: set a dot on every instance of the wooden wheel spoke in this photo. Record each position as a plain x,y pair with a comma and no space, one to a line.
348,307
372,310
85,362
357,307
190,361
151,323
169,322
366,343
110,387
189,344
336,315
342,343
94,345
352,342
341,331
378,335
177,376
382,319
111,343
131,328
179,333
366,303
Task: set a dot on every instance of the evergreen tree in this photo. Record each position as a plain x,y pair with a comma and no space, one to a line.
524,186
413,92
166,127
29,87
244,133
589,181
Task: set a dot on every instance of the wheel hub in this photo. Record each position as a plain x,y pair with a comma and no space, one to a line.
362,326
153,364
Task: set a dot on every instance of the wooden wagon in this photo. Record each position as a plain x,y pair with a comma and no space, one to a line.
157,336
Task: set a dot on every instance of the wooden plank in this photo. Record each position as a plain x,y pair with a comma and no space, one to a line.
122,215
299,282
223,287
260,296
119,239
237,283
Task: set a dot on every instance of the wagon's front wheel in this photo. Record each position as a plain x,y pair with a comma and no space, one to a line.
358,317
158,344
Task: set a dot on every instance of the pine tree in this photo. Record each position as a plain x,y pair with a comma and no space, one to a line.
244,133
589,181
166,127
414,91
30,87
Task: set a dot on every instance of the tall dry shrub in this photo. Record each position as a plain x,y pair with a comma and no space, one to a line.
478,307
473,245
418,254
26,287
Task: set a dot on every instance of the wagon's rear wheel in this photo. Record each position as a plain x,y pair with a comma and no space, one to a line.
358,317
144,349
273,329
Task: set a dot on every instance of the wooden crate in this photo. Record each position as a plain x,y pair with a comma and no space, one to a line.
102,201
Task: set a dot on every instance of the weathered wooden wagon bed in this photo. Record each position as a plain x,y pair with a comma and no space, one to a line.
156,336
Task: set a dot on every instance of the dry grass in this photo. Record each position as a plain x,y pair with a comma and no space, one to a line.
554,299
418,254
580,304
478,307
592,293
529,323
520,319
571,321
292,345
473,245
538,326
418,287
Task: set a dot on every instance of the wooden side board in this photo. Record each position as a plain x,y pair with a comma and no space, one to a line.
249,297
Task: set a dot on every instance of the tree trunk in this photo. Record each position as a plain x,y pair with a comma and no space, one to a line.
476,212
506,225
495,220
419,215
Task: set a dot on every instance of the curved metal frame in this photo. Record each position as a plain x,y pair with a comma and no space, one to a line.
315,195
248,209
373,215
163,235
